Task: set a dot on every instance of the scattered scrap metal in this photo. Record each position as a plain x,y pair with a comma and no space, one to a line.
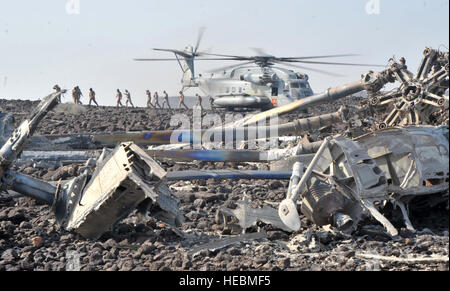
93,202
337,182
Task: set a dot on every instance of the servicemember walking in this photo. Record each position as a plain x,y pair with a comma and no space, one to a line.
57,89
166,100
92,97
119,98
79,95
182,101
149,99
156,97
128,98
76,95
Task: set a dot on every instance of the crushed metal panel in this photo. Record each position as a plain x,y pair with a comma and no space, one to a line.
371,181
415,158
122,181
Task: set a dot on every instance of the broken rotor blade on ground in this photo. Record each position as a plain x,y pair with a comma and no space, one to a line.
42,159
227,174
83,141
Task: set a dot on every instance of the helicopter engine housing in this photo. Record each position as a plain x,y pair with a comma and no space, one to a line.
258,79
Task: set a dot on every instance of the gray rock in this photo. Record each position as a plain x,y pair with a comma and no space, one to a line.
25,225
147,248
349,254
234,251
95,258
9,256
285,263
109,243
199,203
275,185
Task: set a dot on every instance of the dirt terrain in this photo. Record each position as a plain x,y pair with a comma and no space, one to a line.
30,238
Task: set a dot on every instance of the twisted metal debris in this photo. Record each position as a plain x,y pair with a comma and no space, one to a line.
338,181
420,95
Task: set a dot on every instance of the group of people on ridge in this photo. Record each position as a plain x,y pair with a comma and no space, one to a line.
152,102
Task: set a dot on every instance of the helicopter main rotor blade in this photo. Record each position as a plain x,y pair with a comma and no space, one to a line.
320,57
333,63
231,57
263,53
155,60
228,67
199,39
309,69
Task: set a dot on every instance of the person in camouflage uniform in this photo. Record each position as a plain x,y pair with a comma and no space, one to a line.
182,101
149,99
128,98
92,97
166,100
119,98
156,97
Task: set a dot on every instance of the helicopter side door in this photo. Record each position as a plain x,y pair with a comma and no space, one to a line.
274,91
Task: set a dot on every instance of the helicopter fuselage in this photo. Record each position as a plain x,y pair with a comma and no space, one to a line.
255,86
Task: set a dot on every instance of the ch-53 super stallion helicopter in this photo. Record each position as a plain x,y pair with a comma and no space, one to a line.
256,83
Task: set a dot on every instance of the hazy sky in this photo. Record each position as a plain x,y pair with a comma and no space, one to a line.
41,44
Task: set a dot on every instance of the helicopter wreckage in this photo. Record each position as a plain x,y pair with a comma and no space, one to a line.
402,153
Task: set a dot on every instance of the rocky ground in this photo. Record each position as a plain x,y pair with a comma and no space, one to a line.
31,240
